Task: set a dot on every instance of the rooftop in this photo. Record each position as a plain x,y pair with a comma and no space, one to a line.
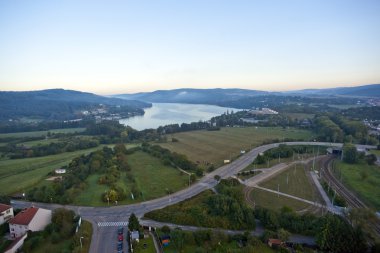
4,207
25,216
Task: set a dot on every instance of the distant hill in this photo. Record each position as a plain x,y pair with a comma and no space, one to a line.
193,96
371,90
232,97
55,103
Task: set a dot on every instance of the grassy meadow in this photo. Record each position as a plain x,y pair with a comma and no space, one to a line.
363,179
215,146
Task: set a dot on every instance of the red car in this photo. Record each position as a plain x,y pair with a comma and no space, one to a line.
120,238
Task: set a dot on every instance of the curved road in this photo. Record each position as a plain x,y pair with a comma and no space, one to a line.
102,236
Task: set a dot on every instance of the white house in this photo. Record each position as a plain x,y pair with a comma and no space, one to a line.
60,171
32,218
6,213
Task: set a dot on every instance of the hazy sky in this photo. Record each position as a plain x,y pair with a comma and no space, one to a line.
128,46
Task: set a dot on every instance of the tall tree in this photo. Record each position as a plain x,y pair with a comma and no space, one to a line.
133,223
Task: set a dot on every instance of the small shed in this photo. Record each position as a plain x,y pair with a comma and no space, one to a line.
135,235
274,242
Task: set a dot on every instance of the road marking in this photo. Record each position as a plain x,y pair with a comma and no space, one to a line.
113,224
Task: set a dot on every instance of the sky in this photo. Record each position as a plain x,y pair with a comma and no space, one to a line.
110,47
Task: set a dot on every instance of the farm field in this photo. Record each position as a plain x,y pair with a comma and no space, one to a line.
41,133
363,179
152,178
215,146
16,175
293,181
272,201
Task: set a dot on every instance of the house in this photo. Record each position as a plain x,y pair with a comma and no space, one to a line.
60,171
32,218
6,213
16,244
274,242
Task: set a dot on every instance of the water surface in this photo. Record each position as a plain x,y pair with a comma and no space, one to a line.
161,114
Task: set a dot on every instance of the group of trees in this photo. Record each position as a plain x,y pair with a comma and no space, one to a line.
337,128
67,145
227,209
283,151
333,233
169,158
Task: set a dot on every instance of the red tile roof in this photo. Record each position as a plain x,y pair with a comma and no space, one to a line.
275,241
4,207
24,217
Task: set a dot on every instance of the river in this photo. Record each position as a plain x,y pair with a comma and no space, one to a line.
161,114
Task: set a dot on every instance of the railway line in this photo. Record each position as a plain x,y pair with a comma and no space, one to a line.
352,200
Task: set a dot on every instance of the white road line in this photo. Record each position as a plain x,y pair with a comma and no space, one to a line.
113,224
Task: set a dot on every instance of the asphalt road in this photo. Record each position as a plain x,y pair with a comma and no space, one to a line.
102,238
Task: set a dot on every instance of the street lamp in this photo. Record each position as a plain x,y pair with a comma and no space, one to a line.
80,240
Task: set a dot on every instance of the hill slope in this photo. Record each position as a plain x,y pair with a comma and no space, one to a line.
371,90
193,96
55,103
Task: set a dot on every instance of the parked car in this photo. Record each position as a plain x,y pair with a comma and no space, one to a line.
119,246
120,230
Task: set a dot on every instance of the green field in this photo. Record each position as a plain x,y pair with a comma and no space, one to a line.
363,179
215,146
272,201
42,133
152,178
16,175
376,152
294,182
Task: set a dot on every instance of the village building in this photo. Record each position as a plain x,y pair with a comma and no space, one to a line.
29,219
6,213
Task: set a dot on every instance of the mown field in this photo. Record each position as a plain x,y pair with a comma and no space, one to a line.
16,175
363,179
272,201
216,146
152,178
41,133
293,181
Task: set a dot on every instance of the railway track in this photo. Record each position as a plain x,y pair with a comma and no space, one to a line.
352,200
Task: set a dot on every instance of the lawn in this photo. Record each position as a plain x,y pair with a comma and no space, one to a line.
272,201
375,151
293,181
18,174
41,133
139,247
152,178
215,146
363,179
